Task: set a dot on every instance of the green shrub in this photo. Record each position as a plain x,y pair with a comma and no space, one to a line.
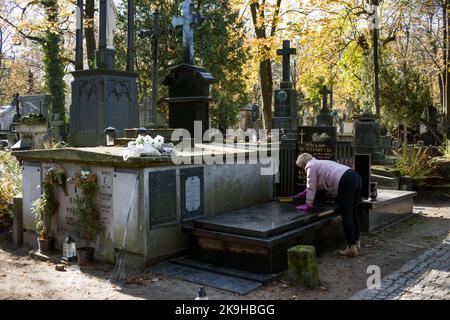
10,186
46,206
445,147
86,205
414,162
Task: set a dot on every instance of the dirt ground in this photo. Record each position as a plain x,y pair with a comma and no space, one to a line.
22,277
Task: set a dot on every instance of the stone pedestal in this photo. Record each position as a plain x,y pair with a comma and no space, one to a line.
285,116
101,99
188,97
12,139
34,133
367,137
325,118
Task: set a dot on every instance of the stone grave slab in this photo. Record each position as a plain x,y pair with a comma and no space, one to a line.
256,239
390,206
207,278
263,221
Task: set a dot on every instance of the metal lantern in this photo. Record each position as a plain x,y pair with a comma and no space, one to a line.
69,249
110,133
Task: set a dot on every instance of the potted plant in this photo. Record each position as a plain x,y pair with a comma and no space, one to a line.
45,208
88,212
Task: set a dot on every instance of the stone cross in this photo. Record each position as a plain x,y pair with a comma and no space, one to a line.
154,35
187,20
301,134
325,92
286,52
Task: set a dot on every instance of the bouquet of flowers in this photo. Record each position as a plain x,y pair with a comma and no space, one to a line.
148,146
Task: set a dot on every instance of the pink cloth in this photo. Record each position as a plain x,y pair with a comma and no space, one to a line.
323,175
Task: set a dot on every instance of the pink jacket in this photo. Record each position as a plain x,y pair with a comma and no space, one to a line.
323,175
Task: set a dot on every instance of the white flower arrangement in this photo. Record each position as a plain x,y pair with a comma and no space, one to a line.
158,142
148,146
148,139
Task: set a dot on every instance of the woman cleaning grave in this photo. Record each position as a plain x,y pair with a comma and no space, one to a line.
342,182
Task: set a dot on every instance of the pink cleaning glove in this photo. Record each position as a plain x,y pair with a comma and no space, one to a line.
304,207
300,195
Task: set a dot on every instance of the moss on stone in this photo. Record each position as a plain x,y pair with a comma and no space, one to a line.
302,264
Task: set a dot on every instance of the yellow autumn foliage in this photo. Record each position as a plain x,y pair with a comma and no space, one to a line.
11,185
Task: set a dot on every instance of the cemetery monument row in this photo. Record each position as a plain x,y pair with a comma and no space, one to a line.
176,208
167,195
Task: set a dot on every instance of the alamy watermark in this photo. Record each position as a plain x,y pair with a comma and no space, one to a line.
264,150
374,280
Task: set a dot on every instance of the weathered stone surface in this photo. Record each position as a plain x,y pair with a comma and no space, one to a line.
303,265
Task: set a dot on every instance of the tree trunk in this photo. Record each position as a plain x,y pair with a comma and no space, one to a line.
265,66
445,60
265,74
90,33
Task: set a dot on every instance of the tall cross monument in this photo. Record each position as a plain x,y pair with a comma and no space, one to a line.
154,35
187,21
286,52
285,115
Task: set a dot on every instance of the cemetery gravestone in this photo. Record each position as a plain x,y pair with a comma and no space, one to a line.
285,117
188,84
320,142
367,137
103,97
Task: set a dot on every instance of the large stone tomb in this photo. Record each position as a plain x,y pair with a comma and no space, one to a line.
256,239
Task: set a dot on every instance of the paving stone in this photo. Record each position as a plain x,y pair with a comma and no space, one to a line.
426,277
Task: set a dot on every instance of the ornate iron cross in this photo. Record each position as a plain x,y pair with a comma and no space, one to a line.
187,20
286,52
154,35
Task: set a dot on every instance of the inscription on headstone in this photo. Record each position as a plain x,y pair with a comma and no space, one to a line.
192,197
319,141
192,194
105,181
162,196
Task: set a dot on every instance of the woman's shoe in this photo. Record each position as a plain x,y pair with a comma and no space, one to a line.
351,251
